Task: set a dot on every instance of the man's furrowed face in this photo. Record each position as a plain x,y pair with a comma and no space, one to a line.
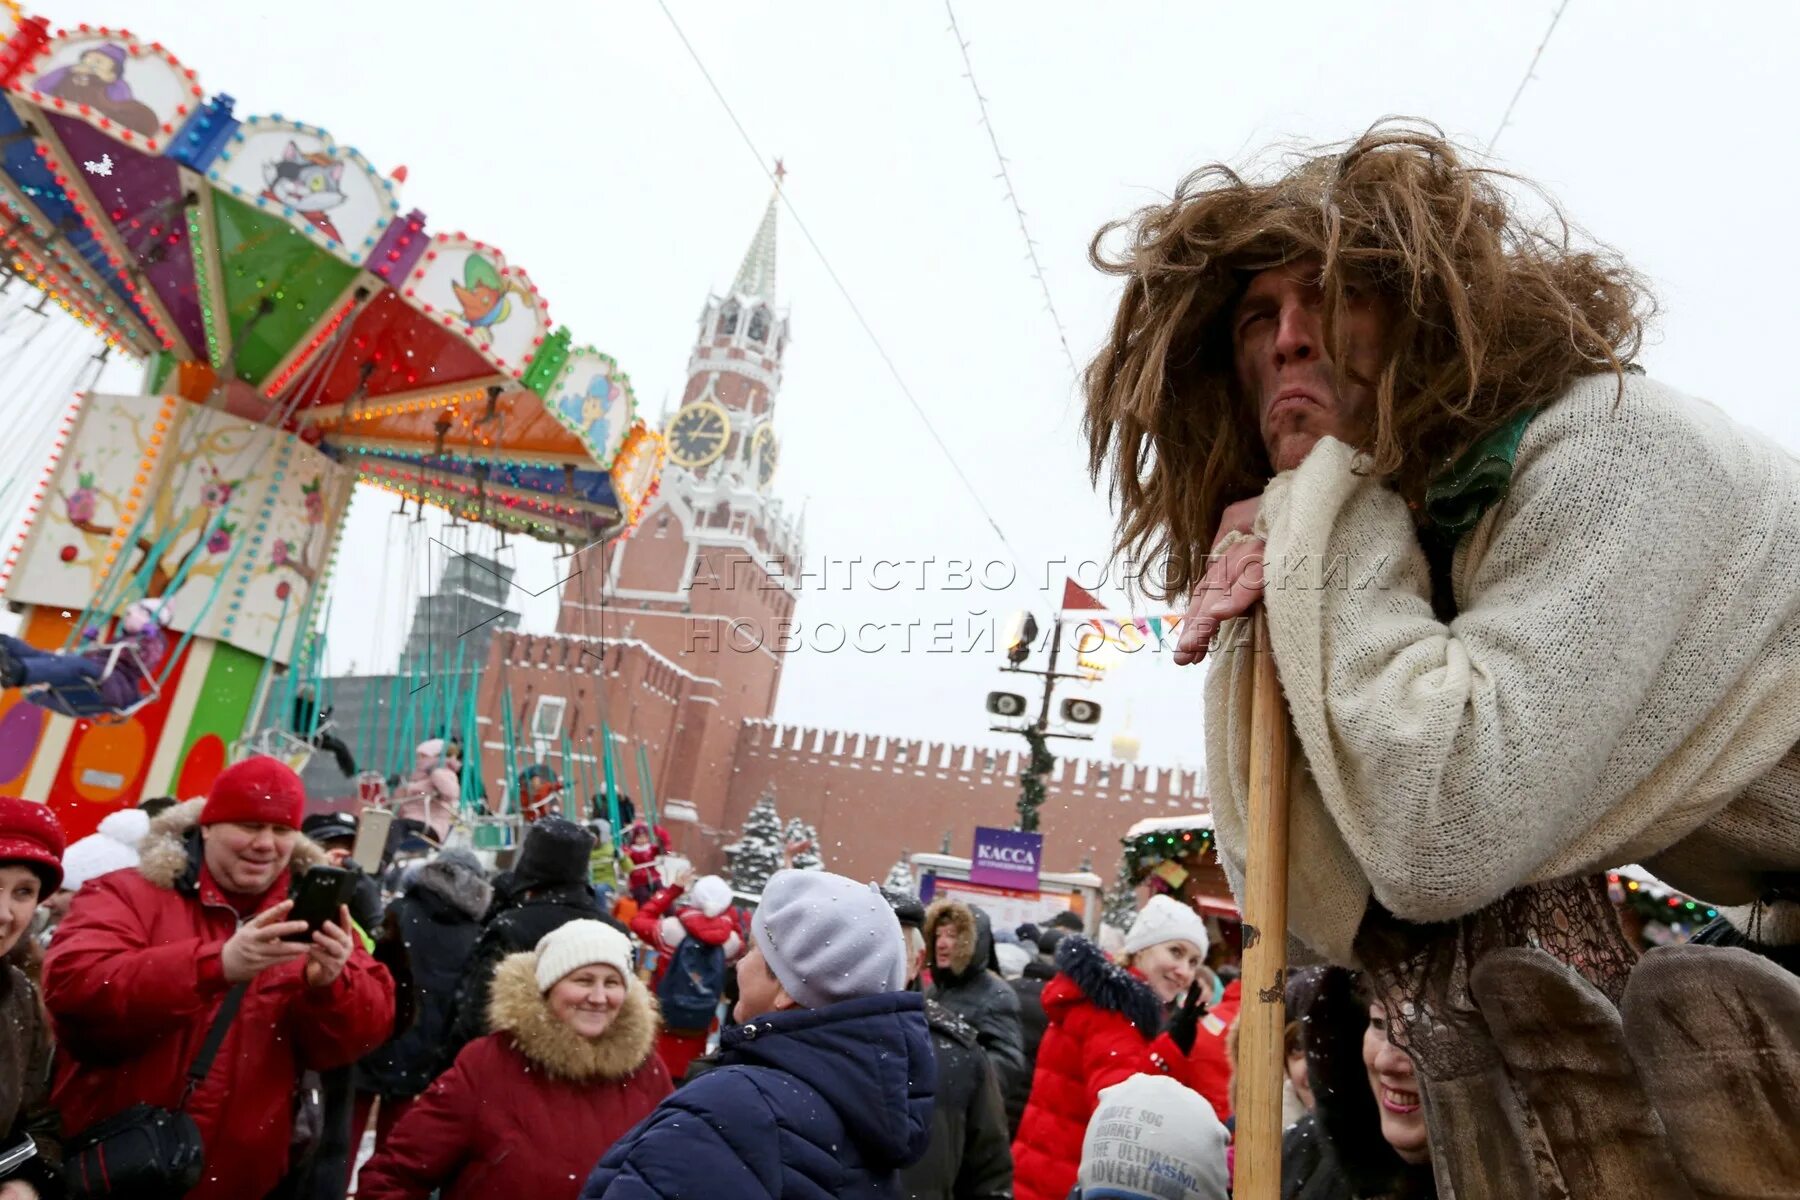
1285,370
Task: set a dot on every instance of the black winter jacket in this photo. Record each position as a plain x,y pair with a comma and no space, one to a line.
515,923
1029,988
970,986
970,1156
434,927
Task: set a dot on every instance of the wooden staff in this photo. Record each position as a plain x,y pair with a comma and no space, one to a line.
1262,1061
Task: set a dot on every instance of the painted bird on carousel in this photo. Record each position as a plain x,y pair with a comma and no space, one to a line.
484,296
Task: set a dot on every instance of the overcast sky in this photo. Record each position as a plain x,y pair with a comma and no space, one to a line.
582,139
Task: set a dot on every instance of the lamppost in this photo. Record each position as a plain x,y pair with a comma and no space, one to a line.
1037,734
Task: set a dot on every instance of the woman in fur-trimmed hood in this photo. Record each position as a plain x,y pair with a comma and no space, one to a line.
526,1110
965,978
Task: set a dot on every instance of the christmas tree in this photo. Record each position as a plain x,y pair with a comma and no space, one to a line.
804,841
756,854
900,879
1119,903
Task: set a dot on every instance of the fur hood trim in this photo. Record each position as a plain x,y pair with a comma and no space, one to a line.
163,856
962,919
457,886
1109,985
519,1010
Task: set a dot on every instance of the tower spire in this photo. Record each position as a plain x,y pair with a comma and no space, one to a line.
756,277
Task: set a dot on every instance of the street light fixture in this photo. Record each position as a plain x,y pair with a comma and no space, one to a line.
1022,634
1022,631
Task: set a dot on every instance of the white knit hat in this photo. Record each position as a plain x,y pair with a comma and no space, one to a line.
1152,1139
1165,919
113,848
580,944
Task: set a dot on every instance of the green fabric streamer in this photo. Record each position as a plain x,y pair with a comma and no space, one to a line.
612,786
644,783
512,754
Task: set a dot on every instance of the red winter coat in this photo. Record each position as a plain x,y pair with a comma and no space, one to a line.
1102,1029
527,1110
133,982
1208,1066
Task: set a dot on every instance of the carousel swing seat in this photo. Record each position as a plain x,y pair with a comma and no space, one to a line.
86,701
295,751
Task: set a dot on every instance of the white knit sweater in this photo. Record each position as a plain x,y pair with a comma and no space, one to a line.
1622,682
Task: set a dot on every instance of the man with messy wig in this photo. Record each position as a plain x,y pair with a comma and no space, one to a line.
1490,318
1535,615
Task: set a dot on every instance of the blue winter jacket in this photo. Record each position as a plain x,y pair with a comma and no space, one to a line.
806,1105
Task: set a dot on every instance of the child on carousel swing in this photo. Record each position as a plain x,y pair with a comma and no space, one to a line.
100,679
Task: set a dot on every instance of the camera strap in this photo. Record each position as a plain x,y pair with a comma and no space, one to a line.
209,1049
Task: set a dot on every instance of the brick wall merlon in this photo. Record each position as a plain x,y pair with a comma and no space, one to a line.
970,763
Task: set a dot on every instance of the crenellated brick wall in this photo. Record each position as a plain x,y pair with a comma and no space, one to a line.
874,796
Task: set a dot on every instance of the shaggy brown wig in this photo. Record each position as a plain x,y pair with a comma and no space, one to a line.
1490,314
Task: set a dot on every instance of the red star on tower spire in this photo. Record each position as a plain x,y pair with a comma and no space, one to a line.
780,172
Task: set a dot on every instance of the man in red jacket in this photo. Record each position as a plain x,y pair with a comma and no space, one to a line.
145,957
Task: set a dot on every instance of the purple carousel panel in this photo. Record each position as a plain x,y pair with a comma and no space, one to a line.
141,195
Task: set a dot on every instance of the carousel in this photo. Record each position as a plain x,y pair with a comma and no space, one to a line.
300,332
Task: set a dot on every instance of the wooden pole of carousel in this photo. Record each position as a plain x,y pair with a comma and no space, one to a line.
1261,1057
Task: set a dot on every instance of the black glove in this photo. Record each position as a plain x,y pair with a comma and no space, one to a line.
1185,1023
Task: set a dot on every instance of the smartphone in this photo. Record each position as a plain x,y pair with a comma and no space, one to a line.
14,1157
321,892
371,839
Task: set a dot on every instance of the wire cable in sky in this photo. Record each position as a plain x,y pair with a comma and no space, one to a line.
844,291
1520,90
1012,195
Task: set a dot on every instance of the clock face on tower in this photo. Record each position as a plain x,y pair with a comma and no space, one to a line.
764,453
698,434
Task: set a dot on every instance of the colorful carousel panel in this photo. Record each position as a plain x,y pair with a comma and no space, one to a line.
303,333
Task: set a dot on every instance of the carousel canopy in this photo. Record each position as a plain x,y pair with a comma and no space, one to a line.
268,271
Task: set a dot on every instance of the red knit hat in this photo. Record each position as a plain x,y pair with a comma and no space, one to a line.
256,791
30,834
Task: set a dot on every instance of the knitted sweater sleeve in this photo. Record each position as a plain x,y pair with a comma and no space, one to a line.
1452,762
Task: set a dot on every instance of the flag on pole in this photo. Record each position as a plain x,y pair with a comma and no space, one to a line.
1077,597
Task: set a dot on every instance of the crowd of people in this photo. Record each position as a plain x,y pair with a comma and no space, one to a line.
458,1034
